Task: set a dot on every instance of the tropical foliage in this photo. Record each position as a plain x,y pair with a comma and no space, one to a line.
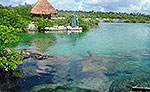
41,23
9,59
11,18
12,21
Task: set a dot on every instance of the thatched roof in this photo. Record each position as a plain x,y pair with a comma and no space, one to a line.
43,7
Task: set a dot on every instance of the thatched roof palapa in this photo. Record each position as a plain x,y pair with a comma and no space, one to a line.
43,7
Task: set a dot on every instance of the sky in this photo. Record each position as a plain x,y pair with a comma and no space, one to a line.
141,6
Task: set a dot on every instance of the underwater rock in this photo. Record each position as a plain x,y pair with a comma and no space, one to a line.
129,70
61,87
36,62
100,83
101,69
135,55
39,55
95,62
47,87
35,54
125,83
93,69
127,62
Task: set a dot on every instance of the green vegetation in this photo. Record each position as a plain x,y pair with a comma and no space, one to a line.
41,23
86,24
9,59
12,22
12,17
127,17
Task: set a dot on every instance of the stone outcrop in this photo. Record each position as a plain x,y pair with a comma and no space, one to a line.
35,54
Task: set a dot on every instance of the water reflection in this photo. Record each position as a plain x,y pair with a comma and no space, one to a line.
40,41
74,37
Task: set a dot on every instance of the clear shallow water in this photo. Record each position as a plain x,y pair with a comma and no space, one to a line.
106,38
110,57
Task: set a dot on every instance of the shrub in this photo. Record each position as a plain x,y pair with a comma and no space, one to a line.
9,59
9,17
84,24
127,21
41,23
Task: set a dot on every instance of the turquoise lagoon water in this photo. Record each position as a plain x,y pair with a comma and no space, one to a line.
112,57
105,39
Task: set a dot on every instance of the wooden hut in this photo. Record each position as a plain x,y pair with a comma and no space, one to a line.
44,8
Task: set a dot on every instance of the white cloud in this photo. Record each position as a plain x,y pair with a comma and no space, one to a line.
144,2
102,9
99,1
65,4
145,5
92,1
29,1
142,6
60,2
81,5
134,8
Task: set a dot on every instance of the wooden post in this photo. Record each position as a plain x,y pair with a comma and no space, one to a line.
141,89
